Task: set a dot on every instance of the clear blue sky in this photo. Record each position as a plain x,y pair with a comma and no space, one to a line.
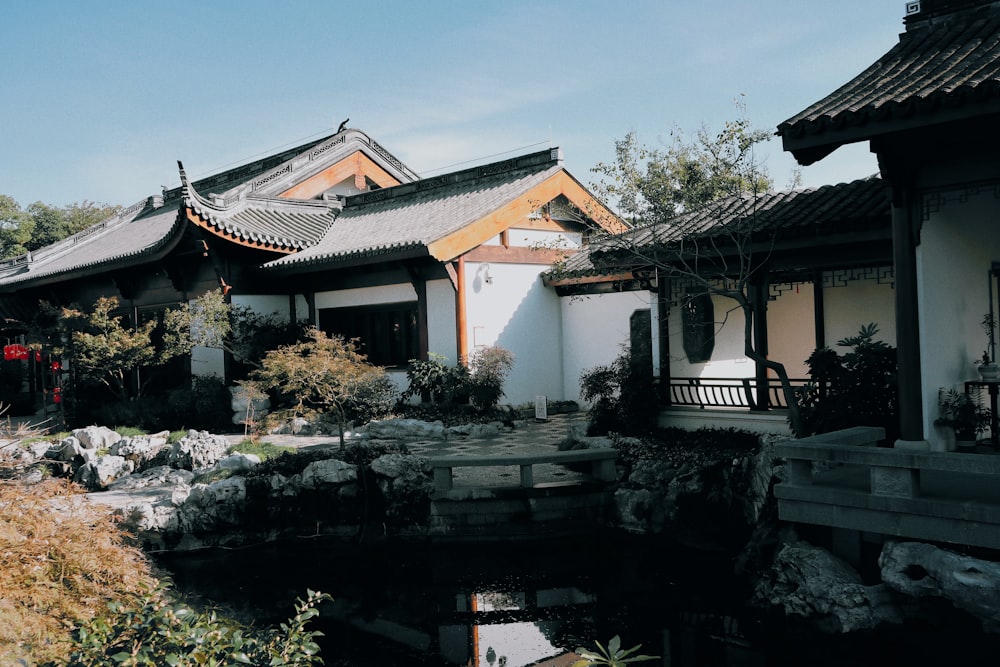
101,98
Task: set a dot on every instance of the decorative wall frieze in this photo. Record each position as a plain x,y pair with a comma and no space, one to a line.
882,275
936,199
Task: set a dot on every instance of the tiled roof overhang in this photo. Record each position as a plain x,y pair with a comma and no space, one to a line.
791,222
138,235
279,225
941,71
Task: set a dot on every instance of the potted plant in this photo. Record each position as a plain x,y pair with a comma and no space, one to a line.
988,370
961,418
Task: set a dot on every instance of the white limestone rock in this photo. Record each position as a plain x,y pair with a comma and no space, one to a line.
99,473
96,437
922,570
141,449
158,476
197,450
237,462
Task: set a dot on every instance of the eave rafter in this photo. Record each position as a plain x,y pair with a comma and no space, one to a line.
514,212
233,235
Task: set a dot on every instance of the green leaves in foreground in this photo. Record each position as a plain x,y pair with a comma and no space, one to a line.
156,631
612,656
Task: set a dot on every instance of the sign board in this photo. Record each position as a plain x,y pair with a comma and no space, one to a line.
541,408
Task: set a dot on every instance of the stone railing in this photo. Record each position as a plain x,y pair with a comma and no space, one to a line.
601,459
836,480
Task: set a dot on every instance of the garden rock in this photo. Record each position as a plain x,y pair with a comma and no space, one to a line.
237,462
326,472
811,583
210,506
923,570
96,437
141,449
158,476
406,429
197,450
99,473
240,403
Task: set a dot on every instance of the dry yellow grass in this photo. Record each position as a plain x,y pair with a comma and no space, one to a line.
61,560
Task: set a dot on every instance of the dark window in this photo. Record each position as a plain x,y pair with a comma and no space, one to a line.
698,321
386,333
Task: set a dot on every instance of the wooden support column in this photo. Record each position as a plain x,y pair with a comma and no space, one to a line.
663,322
819,318
905,230
420,287
758,299
462,336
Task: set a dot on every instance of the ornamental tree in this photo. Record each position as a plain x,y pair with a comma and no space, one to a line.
319,374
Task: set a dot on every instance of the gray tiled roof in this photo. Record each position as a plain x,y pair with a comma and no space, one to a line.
283,224
809,213
943,68
407,218
237,204
132,236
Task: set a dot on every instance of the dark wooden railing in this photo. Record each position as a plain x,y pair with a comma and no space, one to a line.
726,392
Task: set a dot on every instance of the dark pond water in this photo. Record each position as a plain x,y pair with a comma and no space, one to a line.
531,603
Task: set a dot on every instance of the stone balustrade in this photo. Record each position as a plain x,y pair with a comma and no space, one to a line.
837,480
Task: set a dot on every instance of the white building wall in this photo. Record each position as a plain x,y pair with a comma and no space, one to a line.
958,243
846,309
507,305
594,330
442,336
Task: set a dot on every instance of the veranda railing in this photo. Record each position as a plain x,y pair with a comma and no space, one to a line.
727,392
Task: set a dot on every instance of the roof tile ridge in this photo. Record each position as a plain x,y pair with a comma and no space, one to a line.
531,162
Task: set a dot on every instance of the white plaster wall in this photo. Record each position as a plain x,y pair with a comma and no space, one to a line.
958,243
513,309
442,336
594,330
846,309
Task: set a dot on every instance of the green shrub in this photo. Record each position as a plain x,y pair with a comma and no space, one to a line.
622,397
490,367
154,631
857,388
434,380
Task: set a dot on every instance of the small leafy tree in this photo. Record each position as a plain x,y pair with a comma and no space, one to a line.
103,347
320,374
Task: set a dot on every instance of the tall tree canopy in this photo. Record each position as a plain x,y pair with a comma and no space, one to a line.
39,225
654,185
718,176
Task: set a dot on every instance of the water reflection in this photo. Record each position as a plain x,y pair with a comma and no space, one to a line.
533,604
